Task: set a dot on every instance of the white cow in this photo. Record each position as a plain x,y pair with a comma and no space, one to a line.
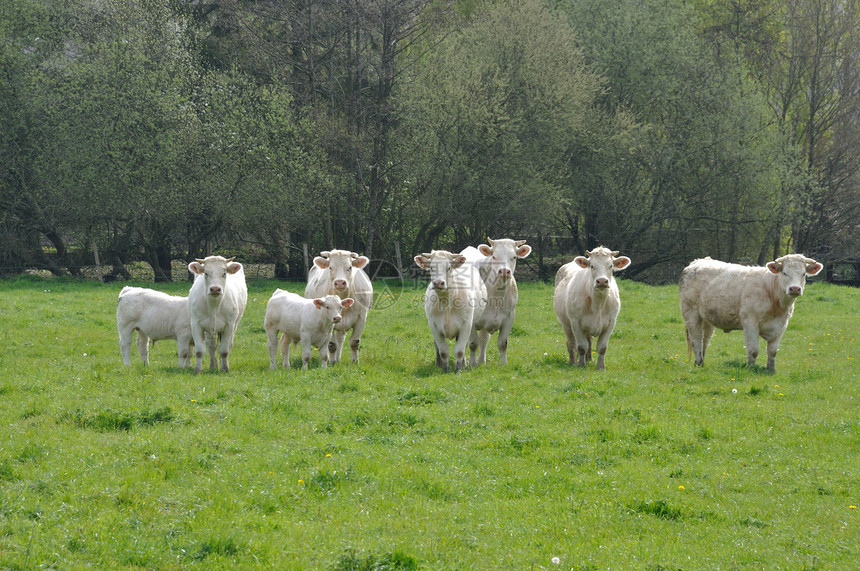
306,321
455,298
587,302
717,295
156,316
216,303
496,263
340,273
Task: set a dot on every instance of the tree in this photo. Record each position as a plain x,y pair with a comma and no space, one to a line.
704,175
495,113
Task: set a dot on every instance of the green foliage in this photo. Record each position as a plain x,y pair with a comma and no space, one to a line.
350,561
163,130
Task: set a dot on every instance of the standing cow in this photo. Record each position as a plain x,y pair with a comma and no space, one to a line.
306,321
717,295
587,302
496,263
156,316
455,298
216,303
340,273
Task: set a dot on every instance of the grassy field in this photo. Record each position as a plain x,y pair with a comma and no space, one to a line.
652,464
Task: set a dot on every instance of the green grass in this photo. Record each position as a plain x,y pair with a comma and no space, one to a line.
651,464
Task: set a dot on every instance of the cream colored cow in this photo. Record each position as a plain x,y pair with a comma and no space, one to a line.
587,302
496,263
716,295
216,303
455,298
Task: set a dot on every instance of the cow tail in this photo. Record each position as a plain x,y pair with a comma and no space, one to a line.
689,344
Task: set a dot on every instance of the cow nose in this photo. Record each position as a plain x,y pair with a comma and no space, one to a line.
215,290
795,290
336,318
602,282
504,273
339,284
438,284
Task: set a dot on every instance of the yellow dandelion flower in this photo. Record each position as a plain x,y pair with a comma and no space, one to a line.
301,482
328,455
681,488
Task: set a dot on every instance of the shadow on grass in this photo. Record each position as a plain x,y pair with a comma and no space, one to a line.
738,366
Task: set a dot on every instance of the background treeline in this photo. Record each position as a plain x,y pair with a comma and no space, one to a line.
168,129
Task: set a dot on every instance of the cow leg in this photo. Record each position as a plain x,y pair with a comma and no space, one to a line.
751,340
307,349
226,347
199,347
588,349
602,346
772,348
335,347
439,361
143,346
183,345
504,333
324,355
125,345
483,342
354,344
355,337
582,343
286,343
211,346
695,339
272,344
460,350
570,339
442,351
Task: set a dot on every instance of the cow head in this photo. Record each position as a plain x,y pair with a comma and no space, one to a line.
602,262
340,264
333,305
214,270
792,271
504,254
441,265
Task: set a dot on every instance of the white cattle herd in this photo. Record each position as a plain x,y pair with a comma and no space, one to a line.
471,295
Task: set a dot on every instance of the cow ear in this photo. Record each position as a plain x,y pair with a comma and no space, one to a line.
319,302
457,261
422,261
486,250
360,261
581,261
321,263
195,268
621,262
233,267
347,303
813,268
524,251
774,267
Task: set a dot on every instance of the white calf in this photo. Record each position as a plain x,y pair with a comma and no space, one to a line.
455,298
717,295
496,263
216,303
306,321
587,302
156,316
340,273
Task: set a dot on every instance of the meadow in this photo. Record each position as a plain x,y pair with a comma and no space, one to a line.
389,464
